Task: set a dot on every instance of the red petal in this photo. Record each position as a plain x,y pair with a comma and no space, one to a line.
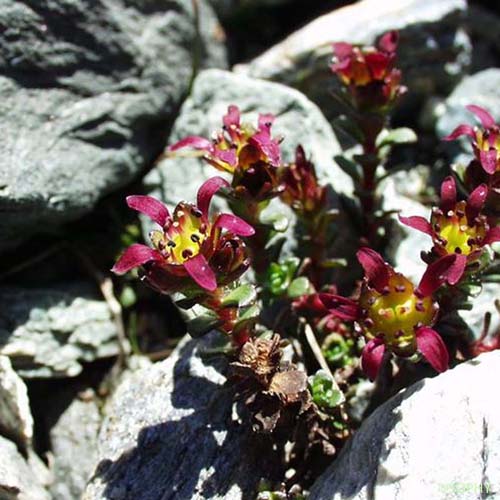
207,191
151,207
486,119
371,357
232,118
134,256
475,202
266,121
339,306
192,141
376,269
268,146
235,225
389,42
489,160
459,131
448,269
377,63
419,223
342,50
227,156
433,348
200,271
492,236
448,194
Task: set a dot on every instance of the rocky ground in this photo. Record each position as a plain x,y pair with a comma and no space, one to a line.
101,397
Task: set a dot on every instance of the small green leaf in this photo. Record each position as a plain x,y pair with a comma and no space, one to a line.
351,168
251,313
202,324
324,390
403,135
242,296
299,286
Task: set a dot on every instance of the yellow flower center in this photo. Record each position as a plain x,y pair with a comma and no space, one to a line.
394,316
455,235
184,237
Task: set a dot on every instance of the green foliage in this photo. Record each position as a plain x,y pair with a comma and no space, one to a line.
325,392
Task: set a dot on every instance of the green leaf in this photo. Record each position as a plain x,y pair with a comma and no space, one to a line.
324,390
300,286
351,168
202,324
242,296
251,313
403,135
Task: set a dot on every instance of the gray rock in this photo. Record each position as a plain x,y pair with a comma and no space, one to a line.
16,421
17,480
434,51
74,446
87,91
439,440
168,433
482,89
227,8
48,332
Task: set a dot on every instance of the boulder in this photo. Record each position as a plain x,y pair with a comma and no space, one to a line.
86,95
482,89
17,480
49,332
73,441
16,421
434,52
438,439
168,433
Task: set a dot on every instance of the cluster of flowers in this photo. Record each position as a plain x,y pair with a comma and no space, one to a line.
199,254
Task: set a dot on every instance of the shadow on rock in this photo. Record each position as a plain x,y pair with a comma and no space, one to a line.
194,450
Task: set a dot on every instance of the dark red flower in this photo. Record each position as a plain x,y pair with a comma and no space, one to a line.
369,73
392,314
457,227
190,245
485,140
251,154
236,143
302,191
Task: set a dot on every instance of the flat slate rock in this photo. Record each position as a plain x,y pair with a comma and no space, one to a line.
169,433
87,89
49,332
439,440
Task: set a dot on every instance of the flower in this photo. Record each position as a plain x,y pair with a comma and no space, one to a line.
369,73
485,141
392,314
302,191
189,246
457,228
250,154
